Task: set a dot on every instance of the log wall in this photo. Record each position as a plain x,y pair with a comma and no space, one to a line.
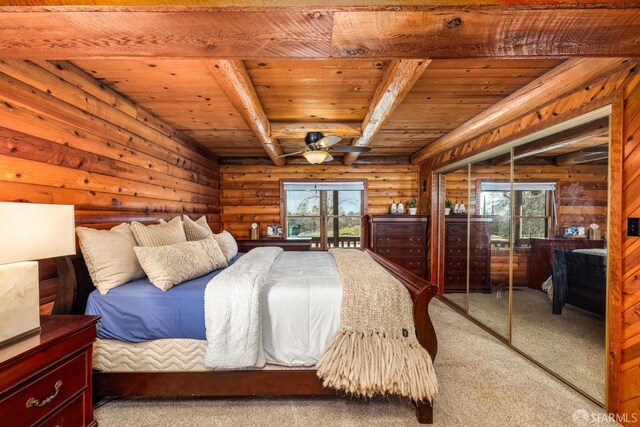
67,139
251,193
629,379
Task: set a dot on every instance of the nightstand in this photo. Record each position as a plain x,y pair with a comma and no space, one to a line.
46,379
299,244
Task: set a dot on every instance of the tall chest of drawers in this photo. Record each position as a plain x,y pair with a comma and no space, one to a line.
455,249
401,239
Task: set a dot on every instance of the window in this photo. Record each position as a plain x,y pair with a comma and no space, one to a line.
533,212
328,212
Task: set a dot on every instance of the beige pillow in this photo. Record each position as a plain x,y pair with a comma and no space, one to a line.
161,234
228,244
196,230
172,264
109,256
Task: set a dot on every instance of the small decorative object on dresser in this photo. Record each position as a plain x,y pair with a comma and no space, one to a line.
46,379
413,206
448,205
400,239
28,232
255,231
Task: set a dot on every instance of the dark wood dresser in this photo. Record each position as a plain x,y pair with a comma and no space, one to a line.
301,244
401,239
45,379
541,257
455,250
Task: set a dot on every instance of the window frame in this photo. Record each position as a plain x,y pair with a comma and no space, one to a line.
324,215
518,239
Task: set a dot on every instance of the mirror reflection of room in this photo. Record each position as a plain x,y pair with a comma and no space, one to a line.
535,240
560,219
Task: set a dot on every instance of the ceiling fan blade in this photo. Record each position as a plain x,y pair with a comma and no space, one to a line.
328,141
350,149
328,159
295,153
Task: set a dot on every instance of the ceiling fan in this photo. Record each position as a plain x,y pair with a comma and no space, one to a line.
320,147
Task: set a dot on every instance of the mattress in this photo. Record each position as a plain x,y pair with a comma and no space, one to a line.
138,311
168,355
301,304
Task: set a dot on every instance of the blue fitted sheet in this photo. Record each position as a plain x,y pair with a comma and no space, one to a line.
138,311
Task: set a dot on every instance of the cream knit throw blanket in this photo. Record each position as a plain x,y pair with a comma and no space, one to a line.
375,351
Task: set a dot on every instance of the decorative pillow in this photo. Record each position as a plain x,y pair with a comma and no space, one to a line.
161,234
228,244
109,256
172,264
196,230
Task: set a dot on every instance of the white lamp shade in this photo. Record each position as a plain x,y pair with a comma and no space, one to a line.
30,231
315,157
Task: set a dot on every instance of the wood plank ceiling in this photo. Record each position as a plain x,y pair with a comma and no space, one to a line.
332,93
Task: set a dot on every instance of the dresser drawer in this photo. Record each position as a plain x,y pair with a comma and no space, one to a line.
477,241
392,251
455,265
411,264
461,229
401,241
400,229
460,279
40,397
70,415
478,264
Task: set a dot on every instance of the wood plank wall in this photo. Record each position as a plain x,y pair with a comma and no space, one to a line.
629,387
622,91
67,139
251,193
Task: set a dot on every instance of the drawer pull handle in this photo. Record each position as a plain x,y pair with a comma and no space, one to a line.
35,402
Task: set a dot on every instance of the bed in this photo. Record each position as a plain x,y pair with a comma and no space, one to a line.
146,371
580,279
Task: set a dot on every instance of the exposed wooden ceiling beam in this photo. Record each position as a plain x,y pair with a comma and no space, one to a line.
398,81
563,139
587,155
540,30
233,78
300,129
568,77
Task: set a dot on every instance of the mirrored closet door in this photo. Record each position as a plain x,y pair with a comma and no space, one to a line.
532,248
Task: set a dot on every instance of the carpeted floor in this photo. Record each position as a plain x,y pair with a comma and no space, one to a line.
482,383
571,344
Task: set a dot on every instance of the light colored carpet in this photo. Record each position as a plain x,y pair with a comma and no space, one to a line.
571,344
482,383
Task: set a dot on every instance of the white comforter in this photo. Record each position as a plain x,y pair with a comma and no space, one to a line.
272,306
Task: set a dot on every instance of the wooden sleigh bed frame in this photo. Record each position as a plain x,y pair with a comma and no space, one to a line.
74,288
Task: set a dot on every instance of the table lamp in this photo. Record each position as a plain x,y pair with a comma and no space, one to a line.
28,232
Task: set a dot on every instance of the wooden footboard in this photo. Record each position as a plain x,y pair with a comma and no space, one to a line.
75,286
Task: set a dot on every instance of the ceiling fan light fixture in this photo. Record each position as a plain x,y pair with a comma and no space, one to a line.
315,157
